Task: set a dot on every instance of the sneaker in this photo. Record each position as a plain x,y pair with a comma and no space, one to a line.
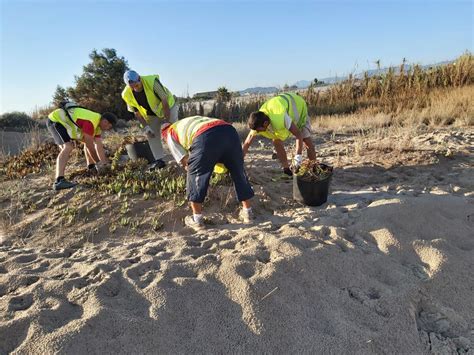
157,164
287,171
246,217
63,184
190,222
274,155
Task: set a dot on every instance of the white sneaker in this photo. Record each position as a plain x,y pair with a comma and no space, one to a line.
190,222
246,216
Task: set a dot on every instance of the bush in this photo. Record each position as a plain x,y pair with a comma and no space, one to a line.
18,121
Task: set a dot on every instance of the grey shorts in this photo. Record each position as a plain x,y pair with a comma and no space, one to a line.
59,132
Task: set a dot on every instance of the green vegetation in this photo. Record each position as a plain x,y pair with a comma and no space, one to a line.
311,170
18,121
99,86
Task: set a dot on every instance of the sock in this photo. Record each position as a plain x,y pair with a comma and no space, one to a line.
197,218
59,178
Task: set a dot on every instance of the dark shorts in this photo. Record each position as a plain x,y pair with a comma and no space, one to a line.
59,132
220,144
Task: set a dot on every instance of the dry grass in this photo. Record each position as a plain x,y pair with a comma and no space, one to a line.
407,95
446,107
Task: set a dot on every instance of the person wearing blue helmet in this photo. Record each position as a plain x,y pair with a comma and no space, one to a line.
152,104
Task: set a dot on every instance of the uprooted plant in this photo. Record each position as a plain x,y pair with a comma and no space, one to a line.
312,170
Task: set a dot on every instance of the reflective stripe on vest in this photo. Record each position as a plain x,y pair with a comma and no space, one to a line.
293,105
155,103
59,115
187,128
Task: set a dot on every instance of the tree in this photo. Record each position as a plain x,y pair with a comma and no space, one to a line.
100,85
223,95
60,95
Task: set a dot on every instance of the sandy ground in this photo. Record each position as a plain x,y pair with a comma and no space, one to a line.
386,266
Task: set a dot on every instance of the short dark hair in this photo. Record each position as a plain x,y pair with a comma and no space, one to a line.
109,116
257,119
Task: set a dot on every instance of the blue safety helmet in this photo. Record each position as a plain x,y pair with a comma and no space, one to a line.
131,76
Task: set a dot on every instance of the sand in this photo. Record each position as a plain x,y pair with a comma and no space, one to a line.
386,266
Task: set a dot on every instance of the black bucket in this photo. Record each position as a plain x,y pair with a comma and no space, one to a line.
140,150
311,193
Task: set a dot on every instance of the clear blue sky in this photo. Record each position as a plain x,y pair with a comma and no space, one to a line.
200,45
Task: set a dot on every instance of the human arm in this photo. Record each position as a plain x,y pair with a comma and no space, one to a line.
184,162
99,148
248,141
298,158
161,93
299,138
177,151
90,146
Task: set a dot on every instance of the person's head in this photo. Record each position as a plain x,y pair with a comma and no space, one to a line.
165,128
132,79
258,121
107,121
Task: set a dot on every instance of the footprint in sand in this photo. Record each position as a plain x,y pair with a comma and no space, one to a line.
143,274
177,272
65,253
302,243
58,314
20,303
195,253
263,256
154,250
208,243
23,259
246,270
3,290
13,334
370,298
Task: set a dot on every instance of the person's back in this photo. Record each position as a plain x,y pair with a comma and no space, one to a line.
277,118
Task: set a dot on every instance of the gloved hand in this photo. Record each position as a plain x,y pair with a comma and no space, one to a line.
102,167
297,160
149,132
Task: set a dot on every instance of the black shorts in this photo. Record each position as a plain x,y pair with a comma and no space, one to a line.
220,144
59,132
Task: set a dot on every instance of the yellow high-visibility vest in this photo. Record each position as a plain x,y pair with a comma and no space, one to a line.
155,103
187,128
60,116
276,108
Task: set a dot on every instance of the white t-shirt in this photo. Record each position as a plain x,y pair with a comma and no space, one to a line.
177,150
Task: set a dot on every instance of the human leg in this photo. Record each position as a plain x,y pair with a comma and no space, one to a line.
155,143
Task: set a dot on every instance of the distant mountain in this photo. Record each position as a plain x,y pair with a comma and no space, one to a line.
303,84
259,90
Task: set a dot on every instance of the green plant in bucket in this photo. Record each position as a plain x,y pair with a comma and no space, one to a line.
312,170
